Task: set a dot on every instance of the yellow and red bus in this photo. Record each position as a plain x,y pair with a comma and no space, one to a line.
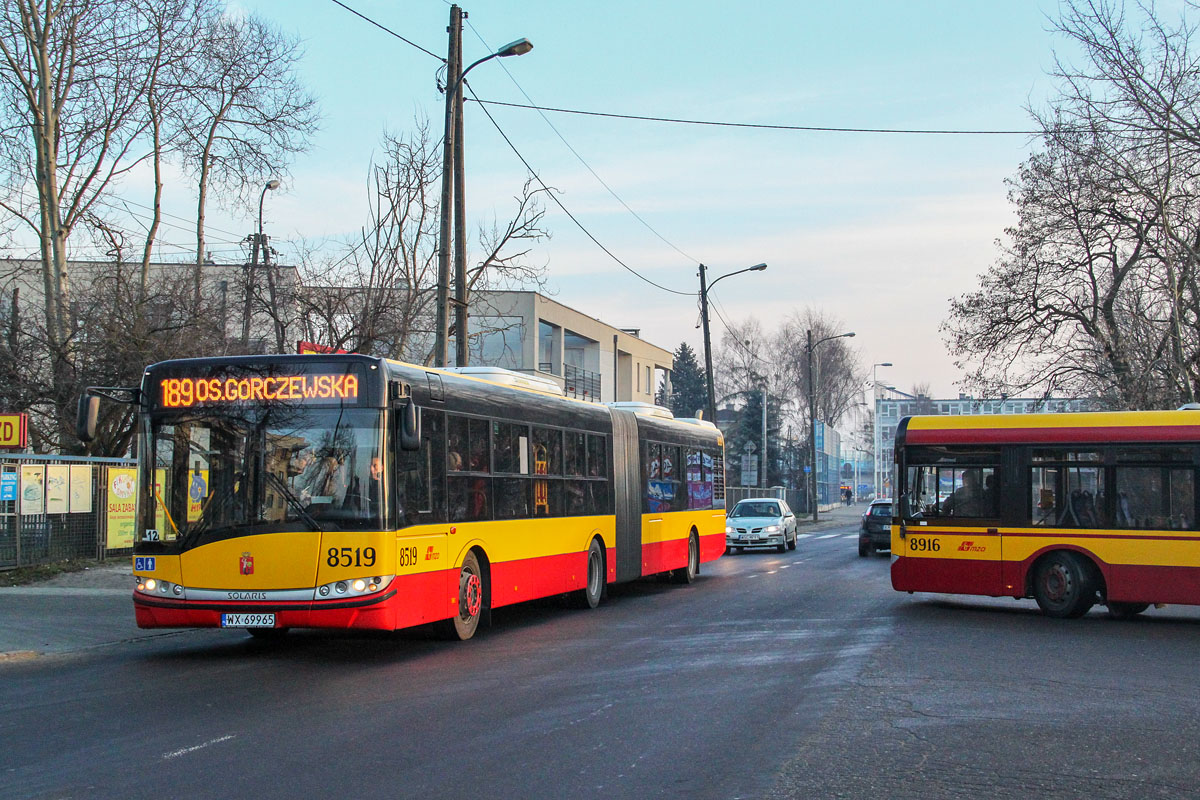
1071,509
347,491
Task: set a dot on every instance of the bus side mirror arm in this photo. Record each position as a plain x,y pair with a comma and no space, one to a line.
410,426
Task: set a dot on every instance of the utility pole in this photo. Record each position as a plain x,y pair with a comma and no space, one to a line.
248,290
812,427
711,408
460,224
441,343
763,478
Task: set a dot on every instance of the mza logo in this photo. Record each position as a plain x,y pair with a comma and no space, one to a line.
971,547
246,564
431,554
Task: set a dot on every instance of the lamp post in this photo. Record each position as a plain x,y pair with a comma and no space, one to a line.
259,241
705,286
877,438
453,198
812,412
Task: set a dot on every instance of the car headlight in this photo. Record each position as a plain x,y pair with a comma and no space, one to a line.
771,529
353,587
728,530
159,588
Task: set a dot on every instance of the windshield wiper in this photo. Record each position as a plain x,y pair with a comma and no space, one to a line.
294,501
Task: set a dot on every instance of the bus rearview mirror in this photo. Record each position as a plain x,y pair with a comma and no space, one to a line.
410,426
88,413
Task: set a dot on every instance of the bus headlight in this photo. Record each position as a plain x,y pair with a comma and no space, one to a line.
160,588
356,587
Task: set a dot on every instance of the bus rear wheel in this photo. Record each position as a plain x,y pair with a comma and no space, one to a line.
589,596
471,600
688,574
1063,585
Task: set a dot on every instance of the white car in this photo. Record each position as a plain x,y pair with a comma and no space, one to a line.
760,522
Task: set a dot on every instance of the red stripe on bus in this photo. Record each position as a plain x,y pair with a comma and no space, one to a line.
1098,435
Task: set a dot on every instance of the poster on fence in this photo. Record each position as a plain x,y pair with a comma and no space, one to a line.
33,498
121,499
57,495
81,489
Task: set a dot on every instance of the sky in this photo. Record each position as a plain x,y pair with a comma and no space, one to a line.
876,230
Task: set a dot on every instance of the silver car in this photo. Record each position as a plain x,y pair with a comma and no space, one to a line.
760,522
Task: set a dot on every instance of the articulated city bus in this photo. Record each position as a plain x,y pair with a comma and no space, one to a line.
1070,509
346,491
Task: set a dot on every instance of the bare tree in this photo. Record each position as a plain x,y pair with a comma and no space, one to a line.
72,115
244,113
1096,289
378,295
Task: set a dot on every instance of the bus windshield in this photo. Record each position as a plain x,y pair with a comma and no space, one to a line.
261,470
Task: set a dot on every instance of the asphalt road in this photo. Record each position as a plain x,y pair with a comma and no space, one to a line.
798,675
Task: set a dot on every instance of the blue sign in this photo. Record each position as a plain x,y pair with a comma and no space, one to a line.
8,486
143,564
807,468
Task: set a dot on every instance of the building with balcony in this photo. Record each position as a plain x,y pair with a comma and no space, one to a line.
592,360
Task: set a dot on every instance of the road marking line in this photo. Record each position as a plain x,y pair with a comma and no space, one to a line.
186,750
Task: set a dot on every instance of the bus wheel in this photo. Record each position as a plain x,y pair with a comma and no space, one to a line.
688,574
1063,586
462,625
1126,610
589,596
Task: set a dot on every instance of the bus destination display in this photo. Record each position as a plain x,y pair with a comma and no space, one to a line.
302,389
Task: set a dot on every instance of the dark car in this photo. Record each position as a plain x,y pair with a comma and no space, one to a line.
876,531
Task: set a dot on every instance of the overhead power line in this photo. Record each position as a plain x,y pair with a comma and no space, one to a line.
387,30
761,126
571,216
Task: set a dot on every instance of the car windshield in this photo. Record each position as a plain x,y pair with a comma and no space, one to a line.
755,510
881,510
217,475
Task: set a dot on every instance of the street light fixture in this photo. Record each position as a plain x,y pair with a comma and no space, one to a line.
876,439
708,368
812,412
454,197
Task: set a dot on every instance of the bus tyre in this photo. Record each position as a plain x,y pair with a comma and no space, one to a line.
589,596
471,600
688,574
1063,585
1126,610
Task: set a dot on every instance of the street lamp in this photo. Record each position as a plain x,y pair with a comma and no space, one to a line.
452,170
259,241
877,439
812,412
708,368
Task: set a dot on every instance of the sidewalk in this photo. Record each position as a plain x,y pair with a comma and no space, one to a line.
836,518
71,611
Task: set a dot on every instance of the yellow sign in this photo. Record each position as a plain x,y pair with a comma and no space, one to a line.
14,430
121,506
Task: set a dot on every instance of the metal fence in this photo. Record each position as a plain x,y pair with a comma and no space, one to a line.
47,520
